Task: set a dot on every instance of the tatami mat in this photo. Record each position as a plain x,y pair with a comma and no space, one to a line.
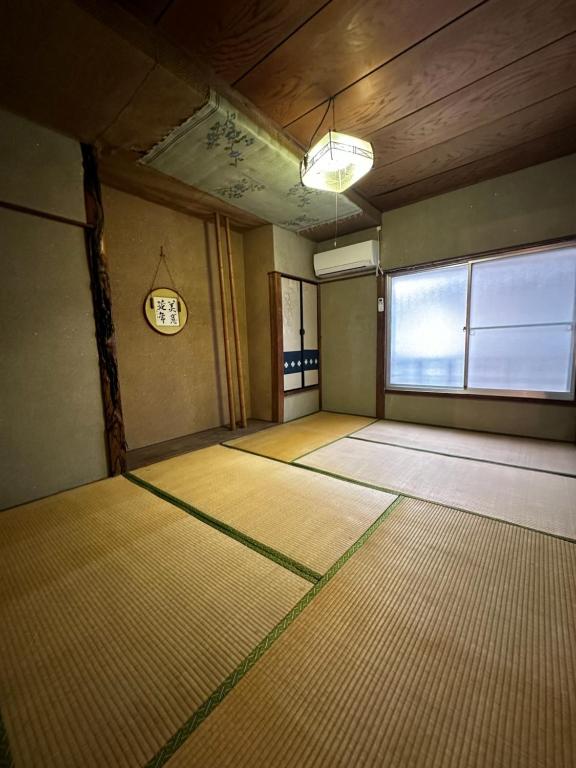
308,517
120,614
545,455
537,500
289,441
447,641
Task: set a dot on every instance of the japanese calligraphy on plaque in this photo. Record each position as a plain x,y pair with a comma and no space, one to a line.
165,311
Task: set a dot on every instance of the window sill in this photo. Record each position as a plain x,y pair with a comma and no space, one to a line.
524,397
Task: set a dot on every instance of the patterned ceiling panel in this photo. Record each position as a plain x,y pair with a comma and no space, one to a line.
222,152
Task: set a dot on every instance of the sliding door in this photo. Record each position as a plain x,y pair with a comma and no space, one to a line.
300,334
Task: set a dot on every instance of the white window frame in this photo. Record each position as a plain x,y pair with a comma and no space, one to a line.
465,390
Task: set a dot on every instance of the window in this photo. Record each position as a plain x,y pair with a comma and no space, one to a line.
503,325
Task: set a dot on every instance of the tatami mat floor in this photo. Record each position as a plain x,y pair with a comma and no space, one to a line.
447,641
224,608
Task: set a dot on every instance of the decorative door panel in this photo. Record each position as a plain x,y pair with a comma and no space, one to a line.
292,338
310,360
300,333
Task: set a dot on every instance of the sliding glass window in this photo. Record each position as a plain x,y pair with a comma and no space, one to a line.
503,325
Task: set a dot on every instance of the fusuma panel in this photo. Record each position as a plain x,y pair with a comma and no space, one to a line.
300,333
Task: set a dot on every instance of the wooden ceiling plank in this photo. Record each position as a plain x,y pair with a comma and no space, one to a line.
536,77
343,43
478,44
551,114
234,35
533,152
64,69
146,10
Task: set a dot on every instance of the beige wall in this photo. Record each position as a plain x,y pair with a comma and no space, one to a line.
349,345
293,254
301,404
51,420
171,385
534,204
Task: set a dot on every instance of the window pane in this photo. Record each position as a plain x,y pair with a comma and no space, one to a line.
536,358
428,313
537,288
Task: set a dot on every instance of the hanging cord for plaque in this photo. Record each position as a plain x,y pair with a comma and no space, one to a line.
164,308
162,259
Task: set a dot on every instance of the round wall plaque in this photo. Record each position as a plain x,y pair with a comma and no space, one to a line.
165,311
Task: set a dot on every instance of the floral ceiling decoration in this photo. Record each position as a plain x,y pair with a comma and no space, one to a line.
220,151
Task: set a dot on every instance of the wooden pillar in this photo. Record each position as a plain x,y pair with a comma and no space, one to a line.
275,297
223,301
239,366
381,351
102,302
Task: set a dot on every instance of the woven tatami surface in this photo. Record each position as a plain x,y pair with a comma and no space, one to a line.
294,439
447,641
537,500
119,615
311,518
546,455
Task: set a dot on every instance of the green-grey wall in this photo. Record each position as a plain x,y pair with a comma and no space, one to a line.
534,204
348,323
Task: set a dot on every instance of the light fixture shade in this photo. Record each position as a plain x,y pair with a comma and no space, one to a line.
336,162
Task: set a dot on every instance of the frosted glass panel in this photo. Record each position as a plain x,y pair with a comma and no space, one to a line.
428,314
537,358
537,288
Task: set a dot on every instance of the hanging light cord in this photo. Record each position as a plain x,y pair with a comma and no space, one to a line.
331,100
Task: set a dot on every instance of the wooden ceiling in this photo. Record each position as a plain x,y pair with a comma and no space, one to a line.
450,92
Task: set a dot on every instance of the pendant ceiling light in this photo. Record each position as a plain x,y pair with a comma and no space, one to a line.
337,161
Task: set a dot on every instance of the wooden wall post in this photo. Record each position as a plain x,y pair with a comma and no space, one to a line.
275,295
381,351
239,367
223,301
102,301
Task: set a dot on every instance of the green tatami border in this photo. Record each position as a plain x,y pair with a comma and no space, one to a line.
336,439
228,443
392,491
262,549
353,436
186,730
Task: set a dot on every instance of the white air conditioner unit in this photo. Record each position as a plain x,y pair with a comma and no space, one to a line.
350,258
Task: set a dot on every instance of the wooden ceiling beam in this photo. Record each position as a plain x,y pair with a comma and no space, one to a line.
547,116
483,41
533,152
